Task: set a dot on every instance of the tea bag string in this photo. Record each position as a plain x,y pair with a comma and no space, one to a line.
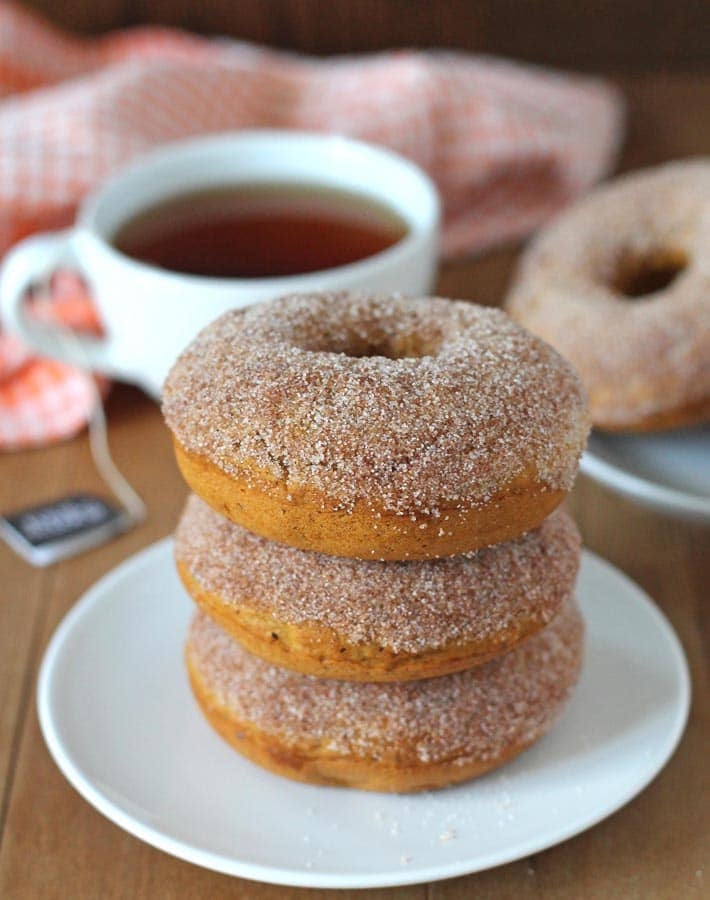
128,498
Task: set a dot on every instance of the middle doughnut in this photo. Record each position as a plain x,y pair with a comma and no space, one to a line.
360,620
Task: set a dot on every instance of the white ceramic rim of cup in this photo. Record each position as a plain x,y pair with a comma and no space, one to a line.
422,226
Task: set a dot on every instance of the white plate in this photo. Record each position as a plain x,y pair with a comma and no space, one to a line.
669,471
119,719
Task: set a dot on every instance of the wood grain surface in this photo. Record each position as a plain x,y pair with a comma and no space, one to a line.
54,845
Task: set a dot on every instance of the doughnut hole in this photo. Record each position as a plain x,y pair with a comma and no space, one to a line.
401,346
411,340
638,275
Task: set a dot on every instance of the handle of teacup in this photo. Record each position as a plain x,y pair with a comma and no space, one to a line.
27,263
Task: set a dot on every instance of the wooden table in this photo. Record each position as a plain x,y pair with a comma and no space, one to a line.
54,845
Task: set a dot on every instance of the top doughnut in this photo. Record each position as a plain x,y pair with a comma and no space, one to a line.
376,427
620,285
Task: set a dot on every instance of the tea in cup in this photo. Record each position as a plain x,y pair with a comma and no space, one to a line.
206,225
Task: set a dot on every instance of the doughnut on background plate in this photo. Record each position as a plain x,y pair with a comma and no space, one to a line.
369,620
644,359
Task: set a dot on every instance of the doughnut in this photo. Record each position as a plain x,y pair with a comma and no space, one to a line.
376,427
620,285
367,620
400,736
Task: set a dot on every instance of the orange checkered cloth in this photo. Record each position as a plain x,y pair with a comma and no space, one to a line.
506,144
43,401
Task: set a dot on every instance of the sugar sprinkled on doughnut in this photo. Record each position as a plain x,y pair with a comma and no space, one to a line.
408,607
474,715
409,401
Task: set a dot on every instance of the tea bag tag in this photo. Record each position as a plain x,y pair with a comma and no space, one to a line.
49,532
58,529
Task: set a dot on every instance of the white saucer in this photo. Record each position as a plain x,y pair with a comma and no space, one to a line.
119,719
669,471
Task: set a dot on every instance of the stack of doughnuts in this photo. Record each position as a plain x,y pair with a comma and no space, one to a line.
383,578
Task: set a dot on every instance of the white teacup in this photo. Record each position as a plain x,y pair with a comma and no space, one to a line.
150,313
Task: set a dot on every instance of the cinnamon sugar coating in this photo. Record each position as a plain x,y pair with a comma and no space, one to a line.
478,715
403,404
644,354
484,598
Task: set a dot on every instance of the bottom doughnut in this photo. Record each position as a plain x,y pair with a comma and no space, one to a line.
398,736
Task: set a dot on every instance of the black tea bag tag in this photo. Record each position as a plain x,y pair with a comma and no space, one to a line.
53,531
